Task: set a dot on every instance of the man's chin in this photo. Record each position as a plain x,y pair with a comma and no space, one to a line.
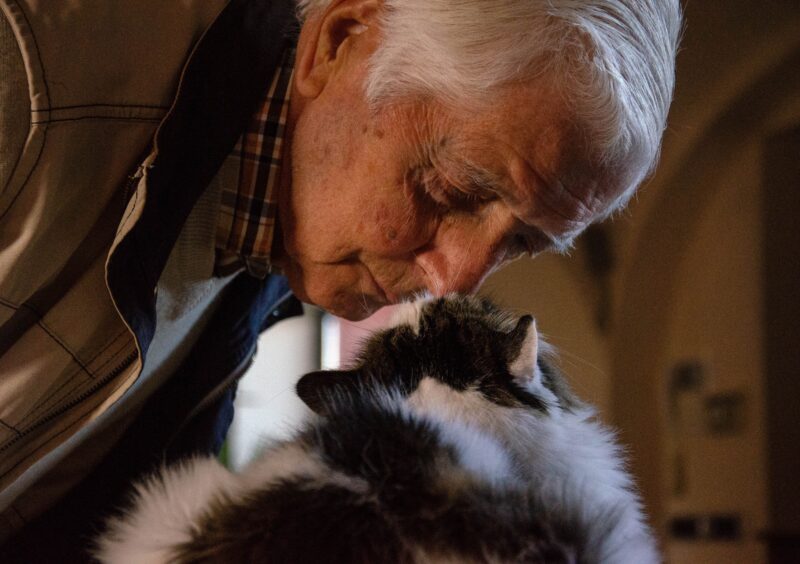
345,305
355,315
341,302
351,307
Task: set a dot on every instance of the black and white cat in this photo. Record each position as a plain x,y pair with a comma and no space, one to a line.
451,440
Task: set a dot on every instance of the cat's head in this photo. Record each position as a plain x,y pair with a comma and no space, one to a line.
453,347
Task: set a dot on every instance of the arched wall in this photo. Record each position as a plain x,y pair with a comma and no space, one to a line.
734,113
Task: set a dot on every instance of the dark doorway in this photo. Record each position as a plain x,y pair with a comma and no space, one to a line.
782,347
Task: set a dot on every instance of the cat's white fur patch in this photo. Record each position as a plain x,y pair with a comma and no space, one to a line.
478,453
292,460
571,460
437,401
166,507
170,506
409,313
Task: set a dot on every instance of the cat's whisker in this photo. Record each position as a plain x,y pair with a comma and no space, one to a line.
278,394
576,360
569,358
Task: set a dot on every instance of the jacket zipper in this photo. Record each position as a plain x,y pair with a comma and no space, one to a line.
126,194
132,180
82,397
232,377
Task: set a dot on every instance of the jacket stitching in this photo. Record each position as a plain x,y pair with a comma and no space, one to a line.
4,424
58,340
44,403
30,173
44,129
14,170
43,408
53,336
26,454
97,118
70,378
101,351
101,105
83,365
8,304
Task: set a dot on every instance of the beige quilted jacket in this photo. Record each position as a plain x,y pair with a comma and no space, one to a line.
74,128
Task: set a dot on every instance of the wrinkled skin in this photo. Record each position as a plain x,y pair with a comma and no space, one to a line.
377,205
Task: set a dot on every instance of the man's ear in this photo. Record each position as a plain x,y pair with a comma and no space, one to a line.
317,389
327,40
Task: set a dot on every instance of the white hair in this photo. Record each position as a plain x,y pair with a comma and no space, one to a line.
614,61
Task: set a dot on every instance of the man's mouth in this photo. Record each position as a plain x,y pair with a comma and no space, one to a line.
389,296
384,293
394,296
403,286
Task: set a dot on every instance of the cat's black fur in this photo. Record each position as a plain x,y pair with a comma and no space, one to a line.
426,451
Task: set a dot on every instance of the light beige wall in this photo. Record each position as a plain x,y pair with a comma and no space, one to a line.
688,283
717,318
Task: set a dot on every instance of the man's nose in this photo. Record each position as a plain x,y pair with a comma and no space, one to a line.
459,266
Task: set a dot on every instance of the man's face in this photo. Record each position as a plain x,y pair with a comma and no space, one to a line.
420,196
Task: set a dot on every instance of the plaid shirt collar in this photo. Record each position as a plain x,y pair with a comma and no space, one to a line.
248,214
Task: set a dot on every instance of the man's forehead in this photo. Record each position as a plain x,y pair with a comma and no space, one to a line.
548,183
485,180
526,146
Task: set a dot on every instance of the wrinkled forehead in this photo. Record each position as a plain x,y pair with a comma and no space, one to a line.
530,145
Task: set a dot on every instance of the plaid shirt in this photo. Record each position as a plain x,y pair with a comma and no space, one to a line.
248,212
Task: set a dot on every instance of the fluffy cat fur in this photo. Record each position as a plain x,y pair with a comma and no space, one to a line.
450,440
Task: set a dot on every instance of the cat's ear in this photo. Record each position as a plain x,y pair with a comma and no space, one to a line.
523,348
318,389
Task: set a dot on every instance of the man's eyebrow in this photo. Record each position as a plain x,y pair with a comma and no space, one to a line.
488,180
483,179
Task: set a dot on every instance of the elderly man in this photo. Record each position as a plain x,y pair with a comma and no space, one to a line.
171,172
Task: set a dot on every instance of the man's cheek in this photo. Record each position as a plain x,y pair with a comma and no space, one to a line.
401,227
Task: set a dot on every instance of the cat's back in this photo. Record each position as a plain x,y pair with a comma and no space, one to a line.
372,482
449,440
